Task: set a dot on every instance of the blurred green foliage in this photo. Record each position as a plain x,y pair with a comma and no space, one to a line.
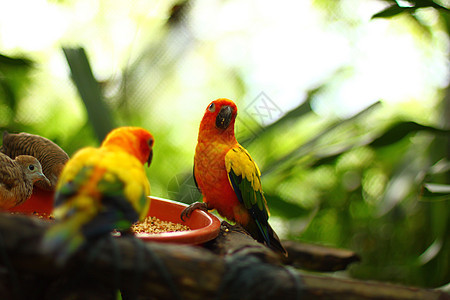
375,182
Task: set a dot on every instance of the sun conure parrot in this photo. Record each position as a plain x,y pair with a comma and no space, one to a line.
227,176
101,189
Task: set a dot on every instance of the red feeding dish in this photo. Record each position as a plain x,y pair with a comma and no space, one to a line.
40,202
204,226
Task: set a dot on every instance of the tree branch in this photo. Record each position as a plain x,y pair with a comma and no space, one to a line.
165,271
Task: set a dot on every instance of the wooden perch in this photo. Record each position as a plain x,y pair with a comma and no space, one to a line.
164,271
234,239
319,258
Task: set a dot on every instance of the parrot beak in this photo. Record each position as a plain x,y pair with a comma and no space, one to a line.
150,156
224,116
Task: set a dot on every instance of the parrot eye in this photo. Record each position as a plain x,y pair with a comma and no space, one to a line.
212,107
150,142
31,167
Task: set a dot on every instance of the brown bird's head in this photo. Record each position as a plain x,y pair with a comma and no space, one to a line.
51,157
32,168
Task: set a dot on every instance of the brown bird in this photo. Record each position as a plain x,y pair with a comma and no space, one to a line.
50,155
17,178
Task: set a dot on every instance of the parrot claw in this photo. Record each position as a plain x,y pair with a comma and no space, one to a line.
186,213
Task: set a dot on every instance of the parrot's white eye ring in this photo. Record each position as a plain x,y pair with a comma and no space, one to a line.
212,107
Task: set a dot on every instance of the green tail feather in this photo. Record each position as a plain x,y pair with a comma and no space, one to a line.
275,242
63,240
266,235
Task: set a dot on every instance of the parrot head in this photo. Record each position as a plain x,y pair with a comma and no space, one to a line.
220,115
135,140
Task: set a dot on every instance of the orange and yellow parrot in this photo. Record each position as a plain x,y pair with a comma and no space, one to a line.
227,176
101,189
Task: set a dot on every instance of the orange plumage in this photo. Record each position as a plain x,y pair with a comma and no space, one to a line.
227,176
101,189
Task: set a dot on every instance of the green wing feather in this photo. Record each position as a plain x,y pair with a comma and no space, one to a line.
117,210
82,218
244,177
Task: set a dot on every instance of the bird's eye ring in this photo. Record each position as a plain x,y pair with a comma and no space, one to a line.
212,107
31,167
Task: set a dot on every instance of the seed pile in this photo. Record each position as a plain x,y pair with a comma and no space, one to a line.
155,225
150,225
44,216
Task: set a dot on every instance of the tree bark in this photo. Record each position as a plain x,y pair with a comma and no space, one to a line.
319,258
228,270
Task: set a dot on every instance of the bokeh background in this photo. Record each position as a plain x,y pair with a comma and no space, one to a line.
344,105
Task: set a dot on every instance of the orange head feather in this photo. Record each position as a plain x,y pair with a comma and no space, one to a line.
218,120
135,140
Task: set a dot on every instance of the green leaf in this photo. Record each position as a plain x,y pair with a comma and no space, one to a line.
8,93
429,3
293,114
327,160
280,207
400,130
407,176
14,78
307,147
436,189
431,252
15,61
395,9
440,167
90,92
390,11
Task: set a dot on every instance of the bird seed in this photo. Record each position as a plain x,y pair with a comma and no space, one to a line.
154,225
